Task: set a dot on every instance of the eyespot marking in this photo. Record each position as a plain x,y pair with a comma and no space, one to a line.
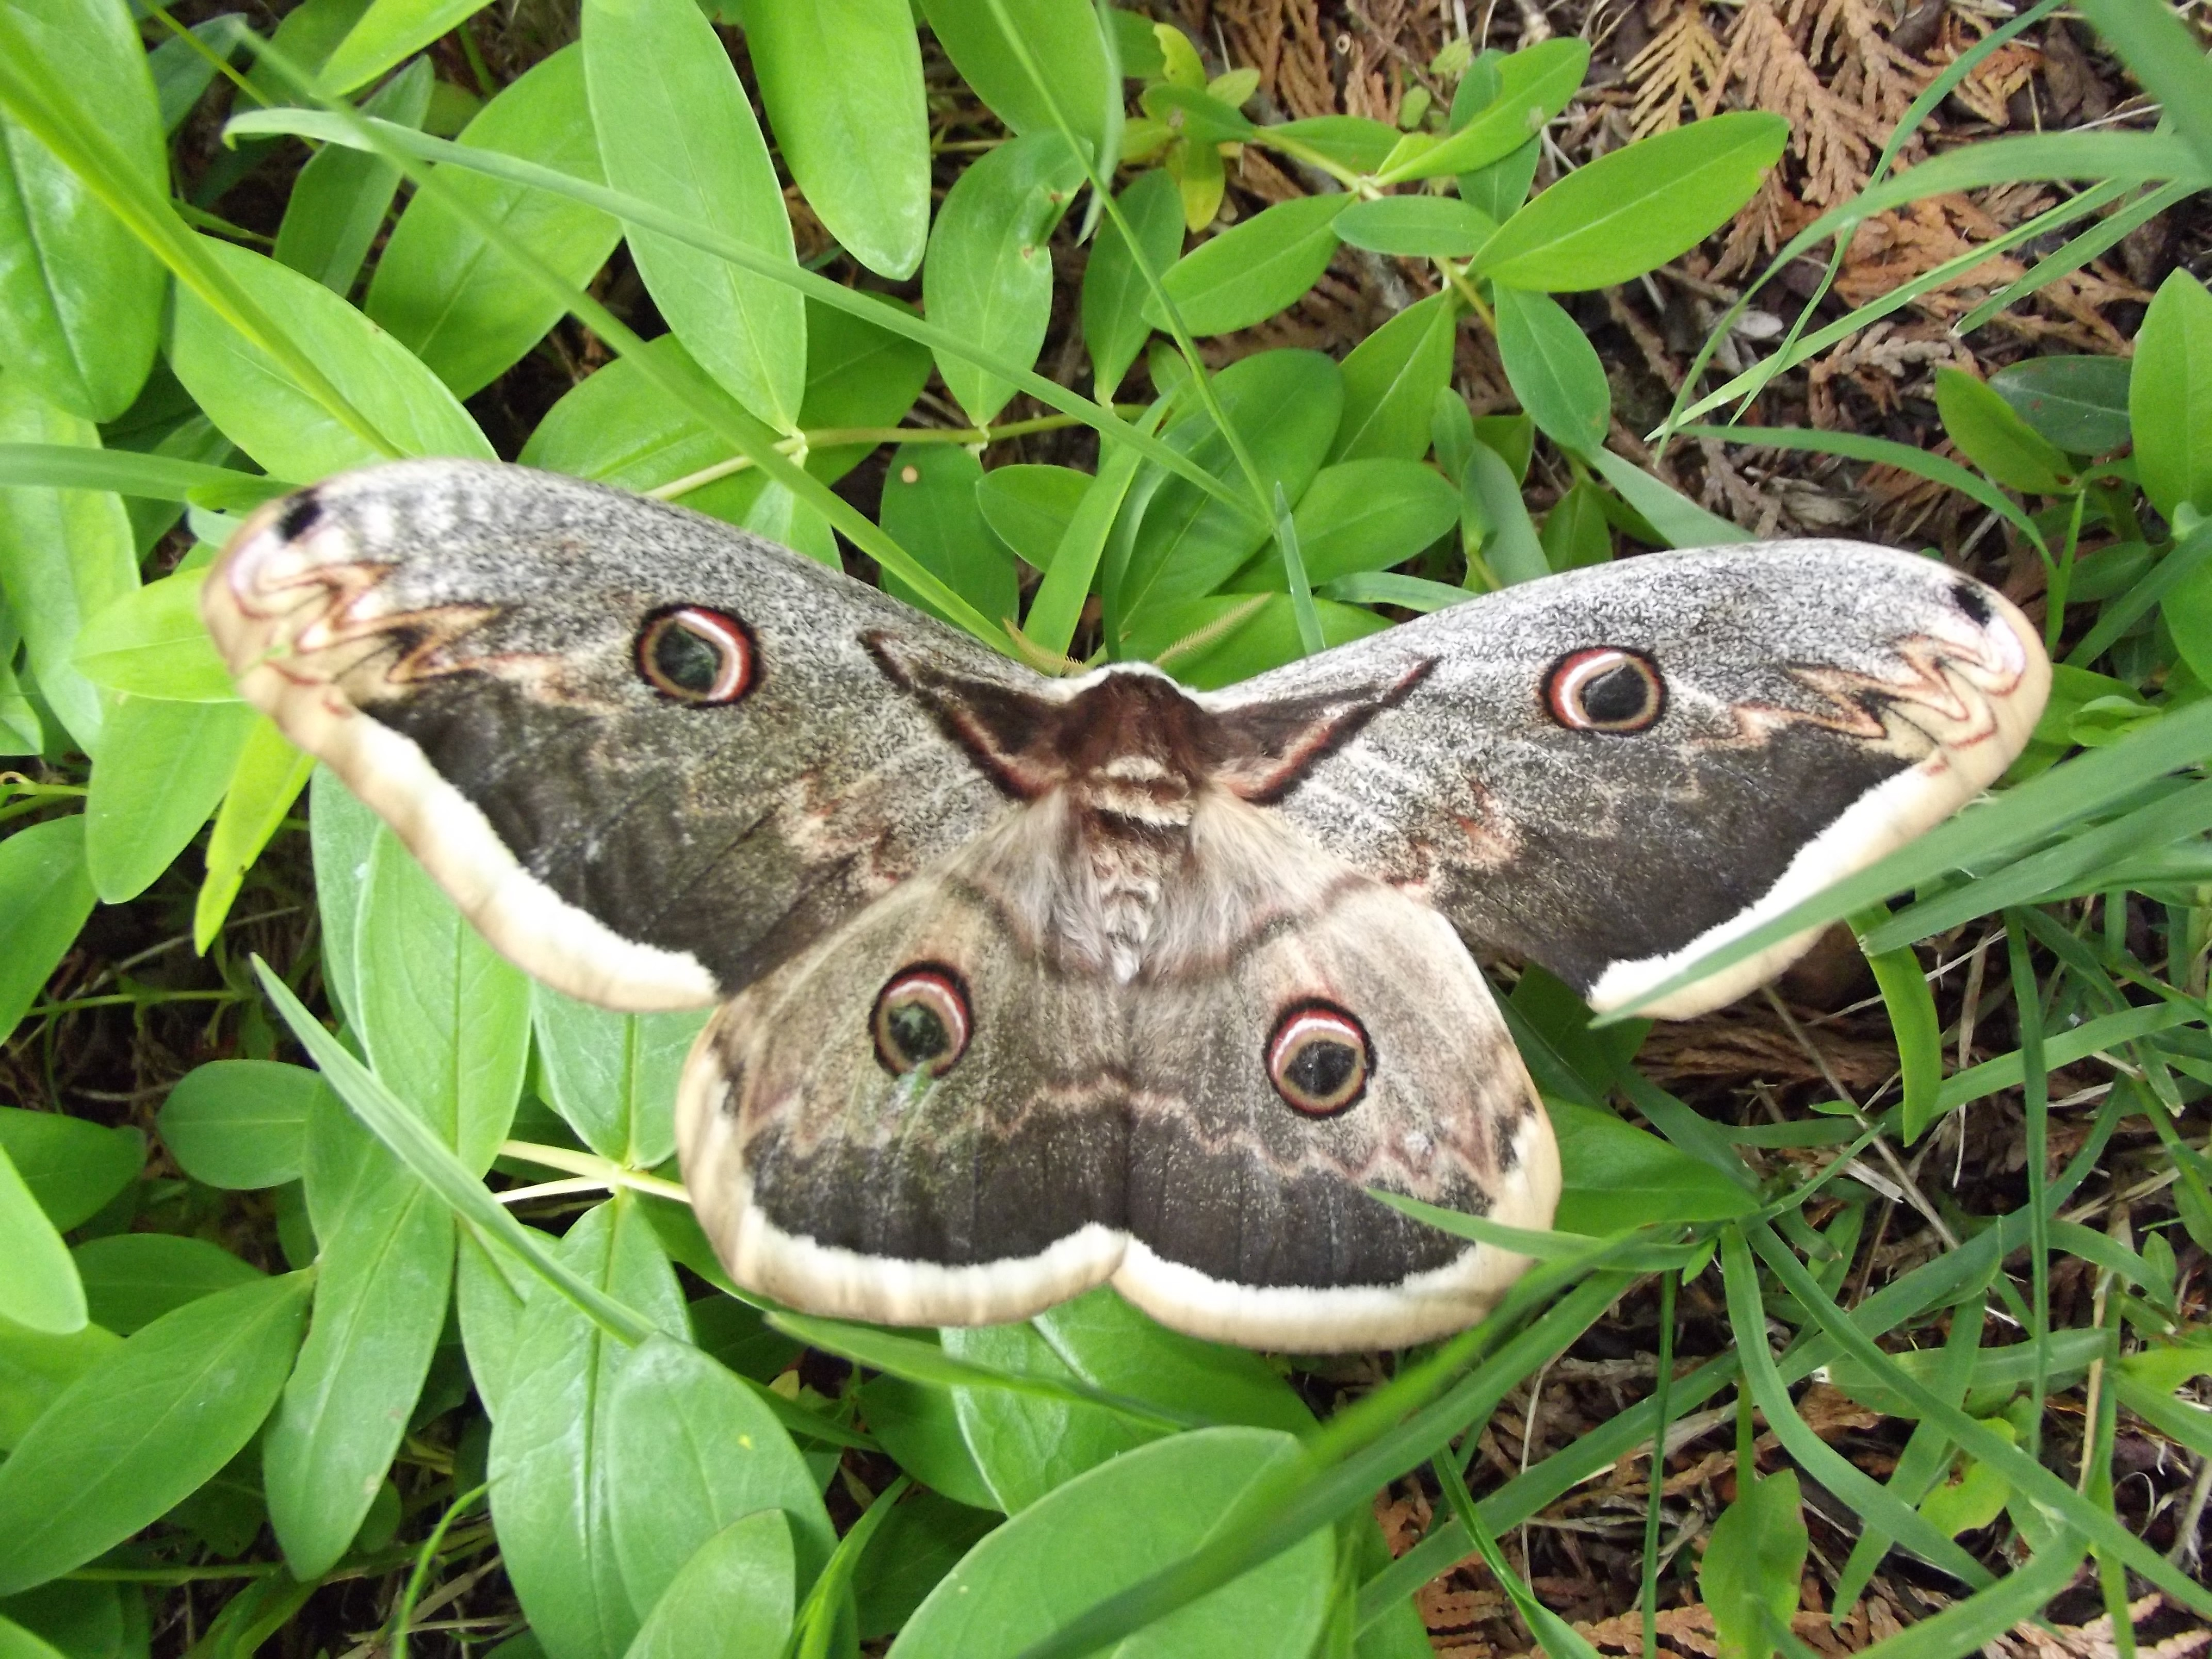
691,654
921,1021
1970,599
1605,689
301,515
1319,1057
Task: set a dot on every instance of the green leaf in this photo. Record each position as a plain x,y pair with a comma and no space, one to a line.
988,280
161,768
733,1599
131,1280
929,508
1666,509
1360,516
1534,85
1253,269
2079,404
919,1426
858,375
65,555
1749,1570
1391,380
269,414
1061,39
553,1495
1030,507
689,1448
267,778
73,1167
2170,397
1633,209
149,1423
1025,1443
2166,59
920,1540
1554,370
1492,497
1111,1343
1188,637
1990,435
1354,142
843,90
384,1264
444,1018
80,297
17,1642
452,299
613,1076
151,643
157,476
1416,227
34,1369
1286,406
488,1306
339,202
676,129
41,1288
389,31
46,894
1076,1546
1575,532
1499,189
1617,1176
1114,292
1912,1022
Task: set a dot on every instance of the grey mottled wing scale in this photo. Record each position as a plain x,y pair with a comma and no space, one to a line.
1824,702
459,640
1102,1129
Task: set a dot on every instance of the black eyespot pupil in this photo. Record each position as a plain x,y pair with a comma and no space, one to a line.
1321,1067
687,661
916,1032
1620,695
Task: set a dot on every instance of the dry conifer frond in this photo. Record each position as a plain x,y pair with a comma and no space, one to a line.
1988,86
1832,137
1873,74
1681,66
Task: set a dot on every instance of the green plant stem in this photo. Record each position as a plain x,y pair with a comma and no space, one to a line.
837,437
1655,1475
2035,1091
1102,182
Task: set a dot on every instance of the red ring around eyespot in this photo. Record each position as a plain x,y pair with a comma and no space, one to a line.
941,991
730,639
1572,676
1311,1022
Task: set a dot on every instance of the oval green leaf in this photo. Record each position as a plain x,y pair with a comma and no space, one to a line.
1632,211
259,407
150,1422
842,85
80,296
46,894
1554,370
1060,37
2170,397
1076,1546
1417,226
40,1289
240,1123
731,1600
1533,86
613,1076
989,276
162,768
1254,269
151,643
449,296
677,130
2079,404
73,1167
1391,380
1114,292
131,1280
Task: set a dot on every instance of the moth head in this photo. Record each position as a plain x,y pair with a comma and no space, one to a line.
1319,1057
690,653
1605,688
921,1021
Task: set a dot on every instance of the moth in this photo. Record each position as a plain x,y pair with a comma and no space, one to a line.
1025,984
